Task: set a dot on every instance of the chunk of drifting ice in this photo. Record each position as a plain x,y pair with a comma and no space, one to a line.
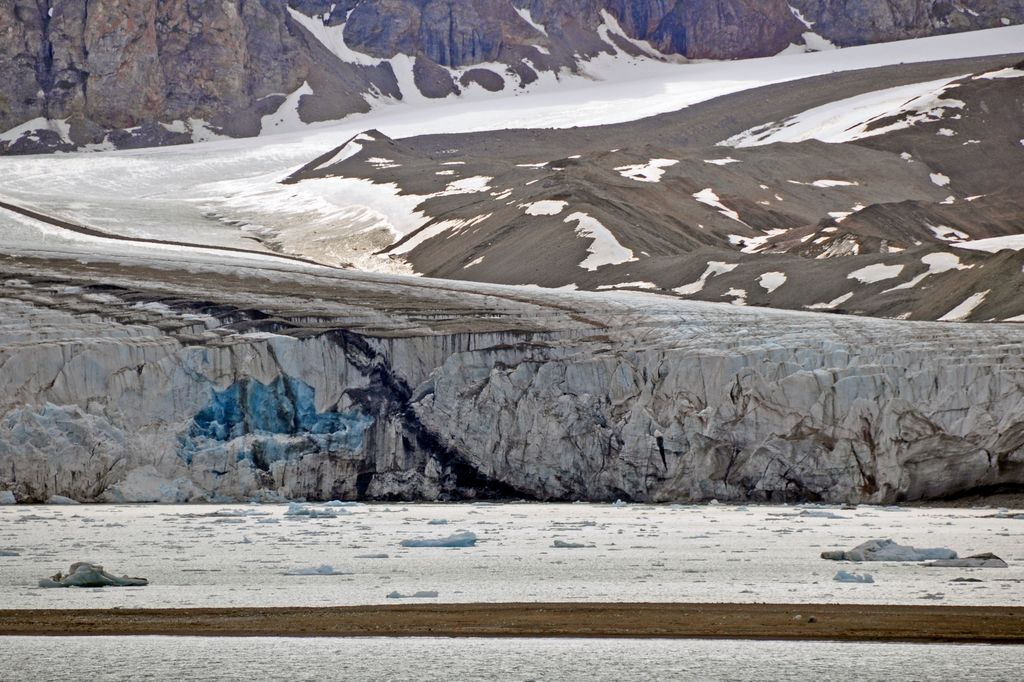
562,544
314,512
371,556
986,560
83,574
437,522
887,550
620,503
322,569
340,503
9,552
463,539
819,514
422,594
60,499
845,577
7,497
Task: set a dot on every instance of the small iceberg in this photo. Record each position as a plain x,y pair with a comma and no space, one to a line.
84,574
887,550
60,499
986,560
422,594
7,497
562,544
322,569
462,539
846,577
313,512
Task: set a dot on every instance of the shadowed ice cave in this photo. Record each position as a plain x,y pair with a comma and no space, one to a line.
265,423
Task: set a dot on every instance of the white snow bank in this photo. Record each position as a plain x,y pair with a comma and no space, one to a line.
714,268
887,550
652,171
545,207
708,197
849,119
770,281
875,273
461,539
1014,242
605,249
964,310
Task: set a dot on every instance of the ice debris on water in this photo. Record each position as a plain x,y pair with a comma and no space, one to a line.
461,539
887,550
7,497
322,569
314,512
60,499
9,552
986,560
847,577
84,574
422,594
567,545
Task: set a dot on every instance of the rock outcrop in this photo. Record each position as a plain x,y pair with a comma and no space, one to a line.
137,73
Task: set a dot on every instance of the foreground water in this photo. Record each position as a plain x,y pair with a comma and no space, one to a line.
141,658
255,555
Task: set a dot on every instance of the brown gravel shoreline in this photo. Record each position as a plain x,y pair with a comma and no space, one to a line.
843,622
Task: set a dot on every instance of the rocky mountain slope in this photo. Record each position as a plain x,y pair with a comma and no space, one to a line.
113,75
892,192
125,379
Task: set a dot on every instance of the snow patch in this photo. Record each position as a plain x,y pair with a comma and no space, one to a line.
831,305
545,207
714,268
652,171
770,281
964,310
875,273
605,249
708,197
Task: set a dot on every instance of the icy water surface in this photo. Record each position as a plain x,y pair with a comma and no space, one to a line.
250,555
107,658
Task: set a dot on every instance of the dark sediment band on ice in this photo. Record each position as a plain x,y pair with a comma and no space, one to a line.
843,622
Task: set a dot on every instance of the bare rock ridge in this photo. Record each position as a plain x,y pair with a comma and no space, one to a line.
236,383
139,73
912,212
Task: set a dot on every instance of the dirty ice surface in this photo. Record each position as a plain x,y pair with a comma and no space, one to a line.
100,659
256,555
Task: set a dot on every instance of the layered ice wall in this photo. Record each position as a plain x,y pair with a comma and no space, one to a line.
387,388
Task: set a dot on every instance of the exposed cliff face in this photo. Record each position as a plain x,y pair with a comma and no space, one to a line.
135,73
393,388
104,66
853,22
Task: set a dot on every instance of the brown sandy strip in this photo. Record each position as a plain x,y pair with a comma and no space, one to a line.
995,625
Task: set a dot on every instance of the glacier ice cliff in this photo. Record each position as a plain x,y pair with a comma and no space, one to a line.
233,383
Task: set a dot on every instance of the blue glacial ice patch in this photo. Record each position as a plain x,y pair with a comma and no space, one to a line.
270,422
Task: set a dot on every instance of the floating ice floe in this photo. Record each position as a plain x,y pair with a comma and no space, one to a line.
84,574
322,569
986,560
9,552
820,514
562,544
7,497
60,499
887,550
314,512
846,577
422,594
462,539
